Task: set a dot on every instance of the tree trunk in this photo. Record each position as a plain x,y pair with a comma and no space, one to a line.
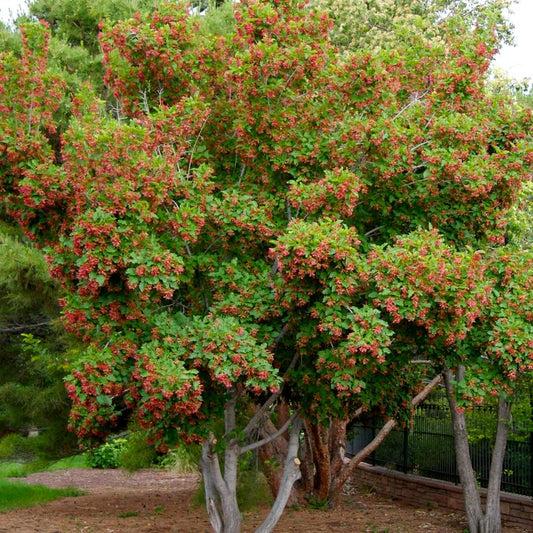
230,508
212,501
291,473
478,521
321,458
337,447
270,456
491,522
324,468
474,512
319,438
307,467
221,489
221,492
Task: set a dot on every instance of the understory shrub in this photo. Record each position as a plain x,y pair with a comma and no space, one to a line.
136,453
108,454
181,460
14,445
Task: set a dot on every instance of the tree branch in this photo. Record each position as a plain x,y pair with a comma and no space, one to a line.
368,233
349,468
291,473
13,329
254,421
270,438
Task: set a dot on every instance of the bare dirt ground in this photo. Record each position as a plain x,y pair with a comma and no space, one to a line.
152,501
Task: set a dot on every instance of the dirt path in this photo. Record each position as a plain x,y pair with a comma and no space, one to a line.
152,501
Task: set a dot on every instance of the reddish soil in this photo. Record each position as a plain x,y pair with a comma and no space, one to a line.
153,501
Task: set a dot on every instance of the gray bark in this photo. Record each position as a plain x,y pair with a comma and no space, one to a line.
491,522
212,502
231,514
478,521
291,473
472,500
221,488
230,507
221,492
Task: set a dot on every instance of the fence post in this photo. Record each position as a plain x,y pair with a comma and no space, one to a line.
530,487
373,456
405,450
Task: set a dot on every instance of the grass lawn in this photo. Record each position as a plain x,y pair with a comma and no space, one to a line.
14,494
75,461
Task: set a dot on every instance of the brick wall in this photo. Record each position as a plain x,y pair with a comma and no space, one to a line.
421,491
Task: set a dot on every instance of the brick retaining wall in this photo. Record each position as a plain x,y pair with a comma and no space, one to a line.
422,491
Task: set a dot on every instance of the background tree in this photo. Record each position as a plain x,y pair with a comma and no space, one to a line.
32,394
214,237
382,24
74,49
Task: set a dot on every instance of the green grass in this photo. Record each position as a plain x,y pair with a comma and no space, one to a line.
75,461
12,469
18,469
14,495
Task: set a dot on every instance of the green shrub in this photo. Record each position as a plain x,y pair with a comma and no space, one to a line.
136,453
181,460
12,469
75,461
16,446
54,443
107,455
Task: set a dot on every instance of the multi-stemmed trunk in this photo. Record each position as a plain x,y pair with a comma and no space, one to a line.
221,489
221,483
325,468
479,521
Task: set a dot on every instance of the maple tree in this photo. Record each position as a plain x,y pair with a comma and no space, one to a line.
239,234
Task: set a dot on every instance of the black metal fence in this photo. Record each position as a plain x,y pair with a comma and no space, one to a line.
427,449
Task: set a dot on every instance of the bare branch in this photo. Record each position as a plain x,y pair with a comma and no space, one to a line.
278,339
204,122
256,419
291,473
270,438
420,145
274,268
358,413
424,393
368,233
243,172
12,329
349,468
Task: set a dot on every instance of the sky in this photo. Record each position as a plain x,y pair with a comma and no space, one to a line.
516,61
13,6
